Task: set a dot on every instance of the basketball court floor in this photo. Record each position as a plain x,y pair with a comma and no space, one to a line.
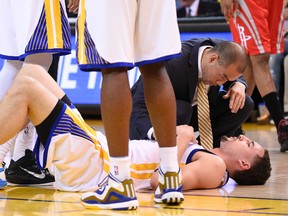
269,199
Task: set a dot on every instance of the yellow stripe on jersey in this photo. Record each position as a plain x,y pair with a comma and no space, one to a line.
141,176
90,131
106,167
142,171
82,59
144,166
58,23
92,134
54,24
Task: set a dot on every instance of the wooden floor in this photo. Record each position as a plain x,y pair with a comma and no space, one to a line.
270,199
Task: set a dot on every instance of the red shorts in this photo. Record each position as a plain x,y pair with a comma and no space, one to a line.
258,26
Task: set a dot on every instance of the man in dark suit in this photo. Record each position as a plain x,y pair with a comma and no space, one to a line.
218,64
190,8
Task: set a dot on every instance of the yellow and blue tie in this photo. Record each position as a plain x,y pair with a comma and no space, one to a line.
204,121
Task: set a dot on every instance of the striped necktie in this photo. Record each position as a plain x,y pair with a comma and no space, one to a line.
204,121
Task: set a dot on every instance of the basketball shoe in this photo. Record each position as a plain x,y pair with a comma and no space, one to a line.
3,183
169,189
26,171
283,135
114,195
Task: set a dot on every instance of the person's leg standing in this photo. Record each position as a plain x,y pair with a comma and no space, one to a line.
113,56
262,73
111,25
154,44
250,30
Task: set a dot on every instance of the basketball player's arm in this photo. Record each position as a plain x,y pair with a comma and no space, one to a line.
185,135
206,171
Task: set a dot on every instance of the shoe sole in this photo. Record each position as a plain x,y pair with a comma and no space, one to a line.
130,205
171,198
27,180
284,146
32,184
3,184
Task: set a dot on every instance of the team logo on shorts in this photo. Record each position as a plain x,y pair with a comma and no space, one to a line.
243,37
116,170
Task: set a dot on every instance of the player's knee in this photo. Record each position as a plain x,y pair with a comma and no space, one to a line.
29,69
262,59
24,85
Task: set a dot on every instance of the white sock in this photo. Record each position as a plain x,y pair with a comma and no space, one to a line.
8,74
120,167
25,140
6,147
169,159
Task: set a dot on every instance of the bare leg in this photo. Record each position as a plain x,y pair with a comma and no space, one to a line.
40,74
8,74
27,97
266,86
161,104
116,107
42,59
261,72
249,77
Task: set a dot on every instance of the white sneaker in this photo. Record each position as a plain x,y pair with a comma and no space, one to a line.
169,189
3,183
114,195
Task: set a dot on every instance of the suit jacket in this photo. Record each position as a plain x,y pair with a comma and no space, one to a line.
183,73
205,8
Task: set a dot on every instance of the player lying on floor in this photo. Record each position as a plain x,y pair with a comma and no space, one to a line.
78,155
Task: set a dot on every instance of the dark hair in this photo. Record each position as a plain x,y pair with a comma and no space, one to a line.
258,173
231,53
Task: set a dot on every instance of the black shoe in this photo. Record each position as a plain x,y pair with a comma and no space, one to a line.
26,171
283,135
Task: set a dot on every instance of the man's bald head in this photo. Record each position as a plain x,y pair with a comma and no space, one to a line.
231,53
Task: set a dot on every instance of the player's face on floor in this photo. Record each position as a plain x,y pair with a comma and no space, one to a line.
241,145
